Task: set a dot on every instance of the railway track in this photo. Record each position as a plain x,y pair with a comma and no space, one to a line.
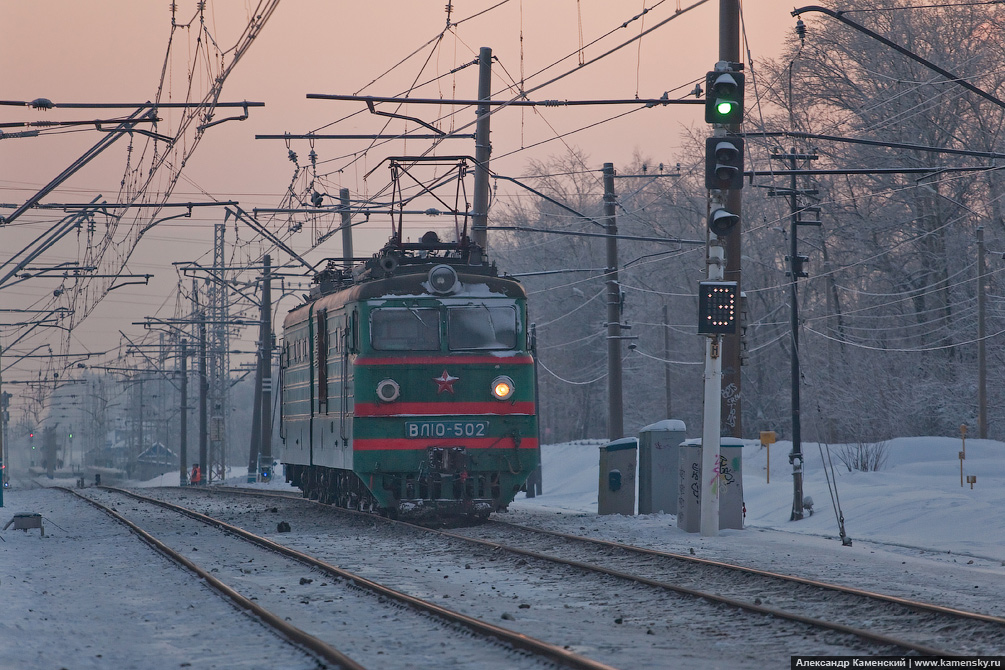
286,630
349,621
924,628
955,628
837,621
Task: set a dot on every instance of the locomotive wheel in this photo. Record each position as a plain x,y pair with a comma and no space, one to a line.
327,488
312,489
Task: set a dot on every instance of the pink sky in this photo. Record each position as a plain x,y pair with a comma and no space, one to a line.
113,51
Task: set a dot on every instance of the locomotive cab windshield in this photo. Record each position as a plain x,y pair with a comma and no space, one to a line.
481,327
475,327
405,329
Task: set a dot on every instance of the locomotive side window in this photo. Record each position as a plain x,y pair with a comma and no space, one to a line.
405,329
481,327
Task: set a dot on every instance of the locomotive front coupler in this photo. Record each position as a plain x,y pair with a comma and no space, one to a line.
447,459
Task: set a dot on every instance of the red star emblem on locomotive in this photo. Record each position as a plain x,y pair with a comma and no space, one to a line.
445,382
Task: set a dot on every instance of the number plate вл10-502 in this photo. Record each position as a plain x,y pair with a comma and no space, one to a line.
446,428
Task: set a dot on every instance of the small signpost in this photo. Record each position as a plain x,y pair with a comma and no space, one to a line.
963,454
768,439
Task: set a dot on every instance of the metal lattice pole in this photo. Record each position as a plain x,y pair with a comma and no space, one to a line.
219,364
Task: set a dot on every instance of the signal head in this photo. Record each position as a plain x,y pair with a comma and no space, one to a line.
724,163
722,222
724,98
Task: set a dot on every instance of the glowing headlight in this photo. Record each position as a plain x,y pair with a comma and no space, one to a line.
388,390
502,388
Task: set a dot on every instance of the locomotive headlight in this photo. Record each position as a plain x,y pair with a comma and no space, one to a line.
502,388
388,390
443,280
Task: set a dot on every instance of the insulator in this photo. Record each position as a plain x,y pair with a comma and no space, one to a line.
801,30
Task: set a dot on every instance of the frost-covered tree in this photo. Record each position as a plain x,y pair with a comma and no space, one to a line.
889,310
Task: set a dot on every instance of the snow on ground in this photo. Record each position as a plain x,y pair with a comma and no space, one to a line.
916,532
915,500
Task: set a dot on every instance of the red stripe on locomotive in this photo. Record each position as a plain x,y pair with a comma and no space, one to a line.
404,444
444,360
442,408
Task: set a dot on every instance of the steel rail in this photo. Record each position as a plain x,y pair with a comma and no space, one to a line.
712,597
518,640
284,628
904,602
850,590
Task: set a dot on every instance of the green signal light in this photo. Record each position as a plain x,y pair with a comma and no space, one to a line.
724,97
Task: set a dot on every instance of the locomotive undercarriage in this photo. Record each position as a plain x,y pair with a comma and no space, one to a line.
332,486
443,490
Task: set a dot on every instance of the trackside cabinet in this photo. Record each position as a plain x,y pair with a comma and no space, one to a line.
658,466
616,494
731,485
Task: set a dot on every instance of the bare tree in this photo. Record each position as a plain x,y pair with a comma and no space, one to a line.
866,457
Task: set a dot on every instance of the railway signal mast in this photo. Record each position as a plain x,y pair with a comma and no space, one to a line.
718,299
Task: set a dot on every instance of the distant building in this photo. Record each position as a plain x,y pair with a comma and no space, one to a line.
154,462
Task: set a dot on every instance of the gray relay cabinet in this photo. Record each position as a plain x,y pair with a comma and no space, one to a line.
659,444
689,485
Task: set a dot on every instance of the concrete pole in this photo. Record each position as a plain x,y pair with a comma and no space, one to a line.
712,414
347,255
140,448
256,418
483,150
796,456
203,398
162,428
666,365
615,395
982,373
267,365
3,428
183,437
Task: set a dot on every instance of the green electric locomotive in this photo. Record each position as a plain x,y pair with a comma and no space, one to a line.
408,385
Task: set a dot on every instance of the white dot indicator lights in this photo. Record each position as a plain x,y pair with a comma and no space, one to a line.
718,307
